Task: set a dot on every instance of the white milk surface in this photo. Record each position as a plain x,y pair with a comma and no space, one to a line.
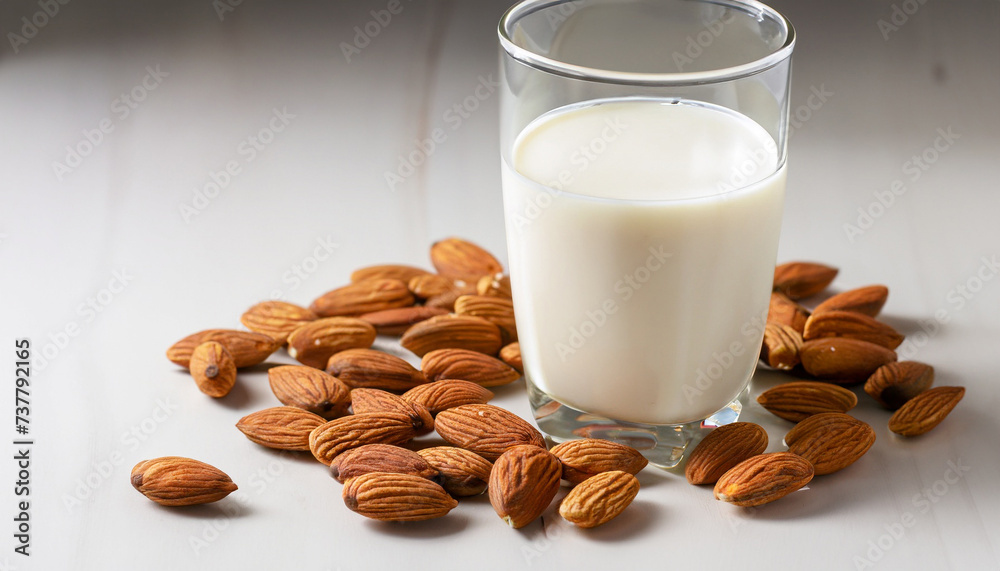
642,237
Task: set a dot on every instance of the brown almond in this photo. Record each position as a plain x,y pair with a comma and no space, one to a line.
460,472
341,434
599,499
213,369
495,285
785,311
396,321
453,332
925,411
866,300
310,389
280,427
399,272
379,401
845,360
431,285
781,346
362,297
380,458
722,449
467,365
371,369
802,279
830,441
798,400
763,479
511,354
522,484
497,310
586,457
178,481
447,299
852,325
314,343
276,319
397,497
246,348
449,393
455,257
485,429
894,384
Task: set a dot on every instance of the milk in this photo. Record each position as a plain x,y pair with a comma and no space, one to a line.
642,236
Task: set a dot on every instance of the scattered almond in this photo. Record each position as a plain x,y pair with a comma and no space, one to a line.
460,472
310,389
864,300
363,297
399,272
894,384
314,343
485,429
453,332
431,285
522,484
246,348
458,258
276,319
763,479
449,393
841,359
599,499
178,481
280,427
923,412
785,311
853,325
511,354
378,401
587,457
495,285
380,458
397,497
341,434
368,368
830,441
497,310
802,279
798,400
467,365
722,449
396,321
213,369
781,346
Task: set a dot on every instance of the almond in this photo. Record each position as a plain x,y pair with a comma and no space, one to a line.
841,359
497,310
460,472
363,297
449,393
341,434
371,369
830,441
280,427
397,497
722,449
213,369
276,319
781,346
310,389
495,285
485,429
397,321
452,332
399,272
511,354
246,348
378,401
467,365
522,484
925,411
802,279
586,457
894,384
798,400
599,499
314,343
864,300
380,458
431,285
763,478
455,257
851,325
178,481
785,311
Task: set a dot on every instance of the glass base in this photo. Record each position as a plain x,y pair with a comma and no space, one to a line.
662,444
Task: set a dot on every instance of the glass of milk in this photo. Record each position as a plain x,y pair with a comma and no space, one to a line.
643,155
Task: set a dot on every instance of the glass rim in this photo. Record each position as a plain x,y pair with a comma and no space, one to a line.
544,63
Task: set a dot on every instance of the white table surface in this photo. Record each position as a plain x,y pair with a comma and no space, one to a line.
108,398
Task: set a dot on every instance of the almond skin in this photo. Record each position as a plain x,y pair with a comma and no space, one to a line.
314,343
798,400
802,279
894,384
246,348
852,325
453,332
449,393
843,360
460,472
781,346
379,401
495,285
467,365
276,319
497,310
399,272
431,285
786,312
280,427
925,411
380,458
511,354
179,481
599,499
586,457
485,429
397,497
213,369
310,389
396,321
722,449
523,483
830,441
341,434
458,258
371,369
362,297
763,479
864,300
